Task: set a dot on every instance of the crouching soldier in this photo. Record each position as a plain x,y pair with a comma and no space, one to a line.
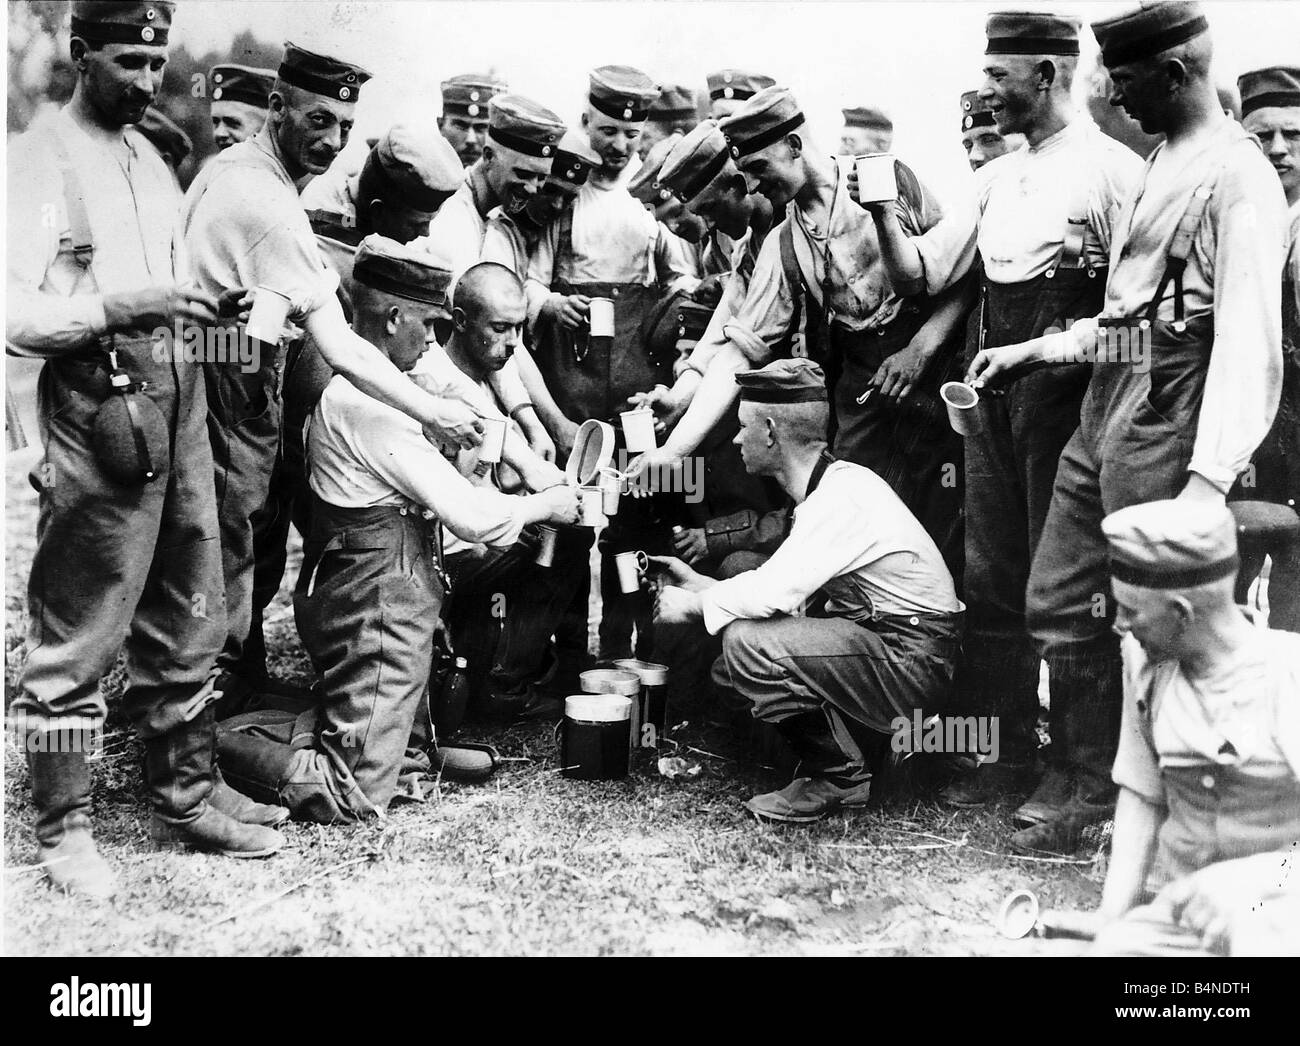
1208,766
369,597
891,629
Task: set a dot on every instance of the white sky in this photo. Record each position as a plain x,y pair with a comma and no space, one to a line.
914,58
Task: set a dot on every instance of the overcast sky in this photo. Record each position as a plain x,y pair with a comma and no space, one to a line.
913,58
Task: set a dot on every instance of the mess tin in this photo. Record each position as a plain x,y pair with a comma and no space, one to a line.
962,403
877,179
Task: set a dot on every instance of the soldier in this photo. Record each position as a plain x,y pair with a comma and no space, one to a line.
571,166
511,668
1270,104
673,112
464,120
239,98
608,246
820,287
1046,214
731,88
368,599
245,228
866,130
980,136
889,637
1183,385
126,547
477,224
1208,765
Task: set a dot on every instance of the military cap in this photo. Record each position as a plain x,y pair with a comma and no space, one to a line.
122,21
242,83
321,74
766,118
1263,526
393,268
469,93
1277,86
865,116
1147,30
1032,32
675,102
694,161
645,186
975,112
1171,544
518,123
165,135
732,83
418,164
797,380
574,159
621,92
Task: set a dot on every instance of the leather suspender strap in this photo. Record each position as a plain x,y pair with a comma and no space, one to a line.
83,243
1073,253
1179,251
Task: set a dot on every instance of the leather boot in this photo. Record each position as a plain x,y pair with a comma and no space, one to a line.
237,805
257,766
179,772
835,772
61,795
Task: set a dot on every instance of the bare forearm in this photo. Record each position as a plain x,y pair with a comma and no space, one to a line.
898,254
544,404
716,392
1132,848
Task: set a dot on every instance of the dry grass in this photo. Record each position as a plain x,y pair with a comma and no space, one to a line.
528,864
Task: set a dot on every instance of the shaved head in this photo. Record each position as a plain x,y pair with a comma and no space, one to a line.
488,311
483,284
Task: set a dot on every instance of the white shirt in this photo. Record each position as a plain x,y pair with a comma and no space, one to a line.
615,240
1025,198
362,453
133,207
853,537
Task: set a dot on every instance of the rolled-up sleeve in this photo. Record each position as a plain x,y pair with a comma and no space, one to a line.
767,314
1136,765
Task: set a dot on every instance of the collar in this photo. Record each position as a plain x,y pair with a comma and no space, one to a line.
1055,141
824,462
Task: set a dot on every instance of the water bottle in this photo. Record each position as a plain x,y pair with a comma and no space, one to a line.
452,699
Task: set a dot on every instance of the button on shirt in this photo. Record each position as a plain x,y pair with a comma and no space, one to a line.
132,205
245,227
362,453
861,296
1247,716
1231,272
853,538
1025,199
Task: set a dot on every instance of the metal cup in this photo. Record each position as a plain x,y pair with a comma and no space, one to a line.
638,429
593,502
610,484
877,182
493,447
630,567
546,546
963,404
267,316
600,317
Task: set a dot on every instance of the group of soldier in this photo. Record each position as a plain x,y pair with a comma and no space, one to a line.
1130,331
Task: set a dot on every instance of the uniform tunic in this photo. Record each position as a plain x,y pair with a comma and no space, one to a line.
1221,757
112,563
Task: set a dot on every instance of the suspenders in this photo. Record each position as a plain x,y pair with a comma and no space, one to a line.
1073,254
1179,251
83,243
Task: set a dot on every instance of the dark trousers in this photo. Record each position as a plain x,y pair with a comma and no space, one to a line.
1010,474
138,565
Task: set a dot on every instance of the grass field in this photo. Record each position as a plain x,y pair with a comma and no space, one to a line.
529,863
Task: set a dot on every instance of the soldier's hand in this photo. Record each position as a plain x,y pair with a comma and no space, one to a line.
675,572
541,443
660,399
676,605
876,208
561,504
159,306
709,292
566,435
645,466
234,306
571,312
995,367
1199,488
898,375
452,422
691,544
